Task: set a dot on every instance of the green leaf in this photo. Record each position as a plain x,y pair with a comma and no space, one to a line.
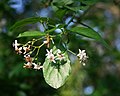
55,74
73,8
31,33
28,21
89,2
90,33
62,2
60,13
51,30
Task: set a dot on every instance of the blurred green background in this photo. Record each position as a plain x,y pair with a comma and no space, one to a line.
100,76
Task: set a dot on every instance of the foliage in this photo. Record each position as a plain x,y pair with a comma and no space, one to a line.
78,28
54,74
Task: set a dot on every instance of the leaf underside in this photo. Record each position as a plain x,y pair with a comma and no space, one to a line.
55,74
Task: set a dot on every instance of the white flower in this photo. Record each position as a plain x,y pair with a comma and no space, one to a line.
16,45
50,55
26,49
60,56
28,58
37,67
18,50
52,58
28,65
82,55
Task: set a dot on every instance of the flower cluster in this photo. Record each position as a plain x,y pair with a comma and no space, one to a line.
21,49
82,56
54,57
30,64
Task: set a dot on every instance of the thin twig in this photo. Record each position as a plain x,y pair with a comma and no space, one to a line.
71,52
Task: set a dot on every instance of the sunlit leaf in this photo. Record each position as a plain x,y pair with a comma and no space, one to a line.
87,32
31,33
55,74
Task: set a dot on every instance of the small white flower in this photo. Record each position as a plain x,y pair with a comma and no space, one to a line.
26,49
50,55
28,58
52,58
16,45
37,67
60,56
28,65
82,56
19,50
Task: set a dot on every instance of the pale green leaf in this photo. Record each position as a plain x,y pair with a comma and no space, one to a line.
55,74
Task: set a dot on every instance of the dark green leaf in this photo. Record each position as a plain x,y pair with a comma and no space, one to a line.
87,32
62,2
60,13
31,33
55,74
28,21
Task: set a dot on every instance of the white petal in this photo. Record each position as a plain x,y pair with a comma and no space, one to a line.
59,51
16,42
24,48
54,61
20,48
83,51
79,51
45,42
47,50
50,50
